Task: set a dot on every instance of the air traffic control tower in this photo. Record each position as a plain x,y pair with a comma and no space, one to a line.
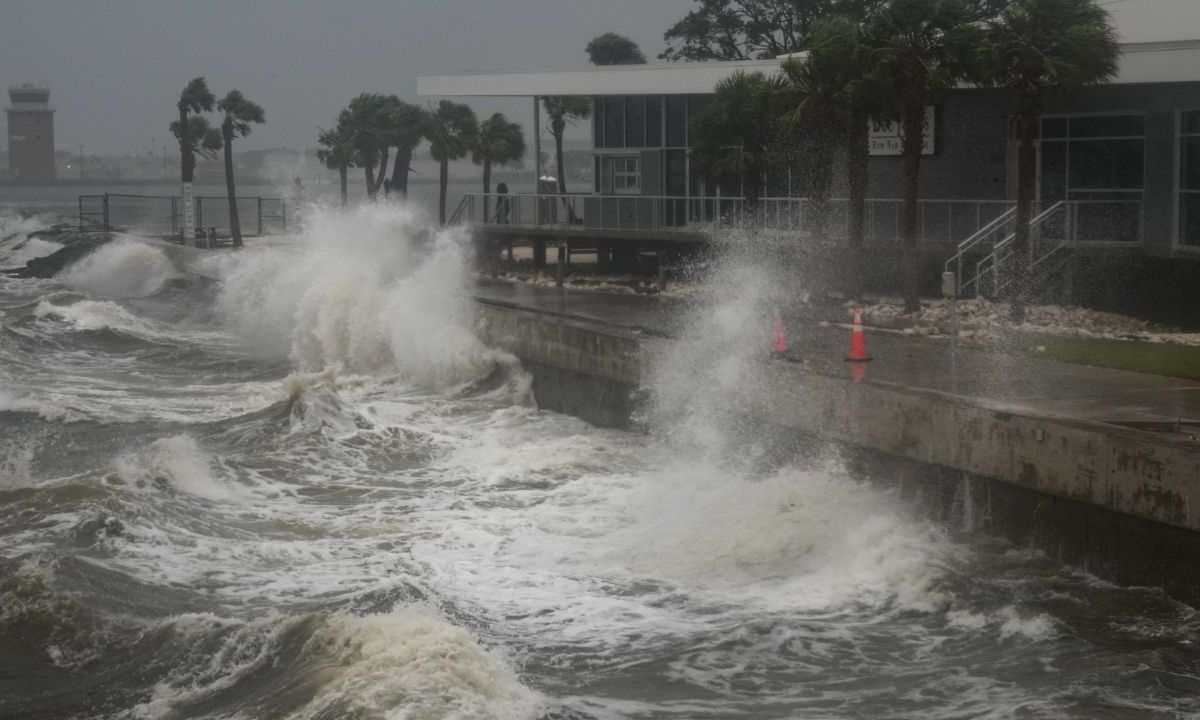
30,134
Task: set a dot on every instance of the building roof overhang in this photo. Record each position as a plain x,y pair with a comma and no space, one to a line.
1152,62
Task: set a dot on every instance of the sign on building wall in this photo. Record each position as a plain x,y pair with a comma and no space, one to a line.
885,136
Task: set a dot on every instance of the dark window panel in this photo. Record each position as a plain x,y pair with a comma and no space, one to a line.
1107,165
614,122
1108,126
598,122
676,172
1190,122
1054,127
635,121
676,121
654,134
1189,219
1054,171
696,105
1190,163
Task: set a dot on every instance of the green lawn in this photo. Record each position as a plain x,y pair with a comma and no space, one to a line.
1179,361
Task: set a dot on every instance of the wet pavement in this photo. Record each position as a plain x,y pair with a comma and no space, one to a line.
1014,379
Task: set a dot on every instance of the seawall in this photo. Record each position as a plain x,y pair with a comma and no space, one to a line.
1119,502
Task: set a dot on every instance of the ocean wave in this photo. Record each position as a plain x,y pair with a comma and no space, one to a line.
122,268
370,290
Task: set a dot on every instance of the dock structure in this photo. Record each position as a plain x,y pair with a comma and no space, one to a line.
1115,188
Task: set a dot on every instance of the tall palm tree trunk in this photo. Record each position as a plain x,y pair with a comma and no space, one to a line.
557,130
235,225
187,168
487,188
343,173
400,169
383,161
914,121
858,151
1026,170
443,182
369,171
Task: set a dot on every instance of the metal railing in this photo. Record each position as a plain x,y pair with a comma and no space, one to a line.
985,264
163,214
940,220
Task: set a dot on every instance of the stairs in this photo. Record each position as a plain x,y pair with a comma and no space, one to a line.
985,264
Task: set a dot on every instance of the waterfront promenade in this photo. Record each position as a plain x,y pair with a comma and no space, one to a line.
1009,378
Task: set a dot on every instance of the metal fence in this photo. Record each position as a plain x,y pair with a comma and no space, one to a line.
163,214
946,221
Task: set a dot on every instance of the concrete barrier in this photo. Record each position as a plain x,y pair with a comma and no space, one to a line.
1121,502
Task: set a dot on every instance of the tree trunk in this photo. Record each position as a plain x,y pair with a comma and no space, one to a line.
1026,169
187,160
822,178
443,181
557,128
487,188
342,173
369,171
400,170
858,153
187,168
383,161
235,225
913,127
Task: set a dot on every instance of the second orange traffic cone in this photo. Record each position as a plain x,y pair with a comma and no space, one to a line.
858,340
779,341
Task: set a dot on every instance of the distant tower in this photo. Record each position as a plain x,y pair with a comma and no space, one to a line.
30,134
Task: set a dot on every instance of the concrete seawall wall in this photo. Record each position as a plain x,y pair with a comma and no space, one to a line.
1123,503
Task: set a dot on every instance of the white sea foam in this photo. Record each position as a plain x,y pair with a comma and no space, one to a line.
178,463
370,289
411,663
16,247
96,315
120,269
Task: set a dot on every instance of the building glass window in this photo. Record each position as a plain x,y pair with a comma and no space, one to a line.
614,122
654,135
635,122
1098,162
626,175
598,122
676,121
1189,178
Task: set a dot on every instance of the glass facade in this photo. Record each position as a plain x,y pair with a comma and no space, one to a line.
1189,178
1099,162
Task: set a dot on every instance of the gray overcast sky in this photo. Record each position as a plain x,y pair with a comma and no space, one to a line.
115,66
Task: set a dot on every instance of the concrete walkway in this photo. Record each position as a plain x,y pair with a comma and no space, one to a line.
1012,379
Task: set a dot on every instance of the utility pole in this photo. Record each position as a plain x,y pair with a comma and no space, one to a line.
80,162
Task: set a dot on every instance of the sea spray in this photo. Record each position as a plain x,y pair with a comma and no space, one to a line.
122,268
370,289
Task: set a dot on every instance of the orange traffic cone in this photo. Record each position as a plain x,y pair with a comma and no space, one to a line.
858,340
779,341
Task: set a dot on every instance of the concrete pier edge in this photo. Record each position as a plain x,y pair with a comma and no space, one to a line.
1119,502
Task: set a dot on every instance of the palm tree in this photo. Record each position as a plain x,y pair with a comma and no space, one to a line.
367,128
499,142
1039,48
451,129
562,109
816,124
236,115
195,98
402,126
838,89
738,131
337,151
921,47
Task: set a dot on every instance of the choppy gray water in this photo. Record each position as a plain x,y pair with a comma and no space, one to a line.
296,485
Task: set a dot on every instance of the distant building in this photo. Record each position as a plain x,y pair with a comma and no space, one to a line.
30,134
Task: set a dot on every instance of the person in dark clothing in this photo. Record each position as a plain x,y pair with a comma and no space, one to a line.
502,203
